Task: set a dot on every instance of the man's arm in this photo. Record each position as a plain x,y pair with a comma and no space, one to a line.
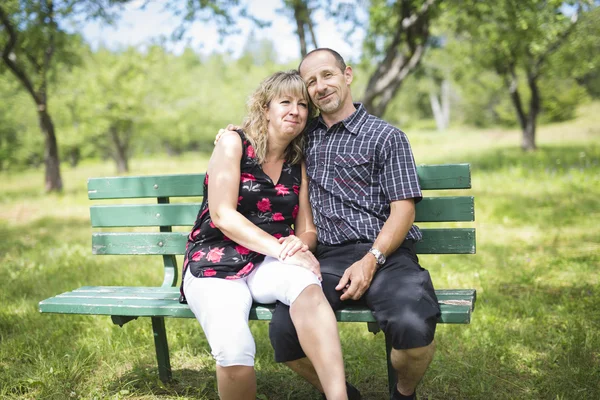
357,278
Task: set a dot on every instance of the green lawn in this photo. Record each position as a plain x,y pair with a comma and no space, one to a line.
535,332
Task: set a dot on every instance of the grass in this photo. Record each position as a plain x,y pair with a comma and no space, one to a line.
535,333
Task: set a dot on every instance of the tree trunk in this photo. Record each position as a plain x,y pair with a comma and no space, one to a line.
402,55
512,82
528,142
311,29
446,102
53,180
298,15
387,79
440,106
120,153
527,120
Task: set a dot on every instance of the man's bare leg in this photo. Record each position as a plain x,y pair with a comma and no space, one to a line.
237,382
410,365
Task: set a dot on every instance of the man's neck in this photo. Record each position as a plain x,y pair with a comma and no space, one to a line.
340,115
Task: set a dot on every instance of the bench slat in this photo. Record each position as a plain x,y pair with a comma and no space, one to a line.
127,187
435,241
445,296
456,305
436,177
430,209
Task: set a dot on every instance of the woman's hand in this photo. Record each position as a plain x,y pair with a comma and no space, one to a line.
305,259
290,245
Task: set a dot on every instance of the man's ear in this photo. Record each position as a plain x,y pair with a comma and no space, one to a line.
348,75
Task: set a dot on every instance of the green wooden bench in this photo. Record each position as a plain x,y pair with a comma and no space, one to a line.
125,303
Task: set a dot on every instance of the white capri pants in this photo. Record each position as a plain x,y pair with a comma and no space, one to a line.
222,306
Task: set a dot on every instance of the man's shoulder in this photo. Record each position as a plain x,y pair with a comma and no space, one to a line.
381,127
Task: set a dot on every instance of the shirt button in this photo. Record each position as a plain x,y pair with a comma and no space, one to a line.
322,163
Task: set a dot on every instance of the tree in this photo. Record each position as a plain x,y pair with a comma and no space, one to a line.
395,42
301,12
116,91
515,39
397,38
32,39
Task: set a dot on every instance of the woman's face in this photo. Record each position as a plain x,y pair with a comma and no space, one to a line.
287,115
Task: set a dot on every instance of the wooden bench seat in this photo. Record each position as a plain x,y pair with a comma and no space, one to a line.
125,303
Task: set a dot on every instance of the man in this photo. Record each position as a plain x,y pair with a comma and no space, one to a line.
363,189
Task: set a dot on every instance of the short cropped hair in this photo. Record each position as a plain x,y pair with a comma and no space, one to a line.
338,58
255,125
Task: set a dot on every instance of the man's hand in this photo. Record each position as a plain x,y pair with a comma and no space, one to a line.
357,278
230,127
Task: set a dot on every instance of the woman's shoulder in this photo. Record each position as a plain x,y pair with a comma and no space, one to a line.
231,140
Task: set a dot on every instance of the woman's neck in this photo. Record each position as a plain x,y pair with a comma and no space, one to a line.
275,151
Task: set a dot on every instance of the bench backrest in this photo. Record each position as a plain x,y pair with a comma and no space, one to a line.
166,215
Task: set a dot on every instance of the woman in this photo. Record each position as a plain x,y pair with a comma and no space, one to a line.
243,248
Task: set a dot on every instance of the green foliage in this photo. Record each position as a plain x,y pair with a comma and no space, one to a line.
151,99
20,142
580,59
562,97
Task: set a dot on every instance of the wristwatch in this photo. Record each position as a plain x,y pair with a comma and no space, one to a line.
379,256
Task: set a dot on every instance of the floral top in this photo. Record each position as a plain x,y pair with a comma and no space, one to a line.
272,207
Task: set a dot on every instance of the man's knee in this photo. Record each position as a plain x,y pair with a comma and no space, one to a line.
410,330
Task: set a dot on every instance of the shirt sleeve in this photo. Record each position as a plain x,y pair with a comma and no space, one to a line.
399,180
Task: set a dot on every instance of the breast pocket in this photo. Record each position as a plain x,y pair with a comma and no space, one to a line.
353,174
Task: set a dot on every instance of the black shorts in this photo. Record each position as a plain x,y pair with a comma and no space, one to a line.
401,297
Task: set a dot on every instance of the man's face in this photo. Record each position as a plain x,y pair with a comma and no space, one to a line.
327,85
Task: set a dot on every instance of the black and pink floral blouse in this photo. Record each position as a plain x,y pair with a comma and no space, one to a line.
272,206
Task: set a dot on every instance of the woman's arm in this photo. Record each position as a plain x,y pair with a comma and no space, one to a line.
306,233
304,225
223,191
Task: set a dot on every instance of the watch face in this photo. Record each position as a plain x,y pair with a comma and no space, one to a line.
378,256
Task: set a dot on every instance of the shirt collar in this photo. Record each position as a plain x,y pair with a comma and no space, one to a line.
352,123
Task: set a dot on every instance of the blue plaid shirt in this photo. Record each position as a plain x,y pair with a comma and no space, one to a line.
356,168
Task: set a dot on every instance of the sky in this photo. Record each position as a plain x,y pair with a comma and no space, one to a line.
137,26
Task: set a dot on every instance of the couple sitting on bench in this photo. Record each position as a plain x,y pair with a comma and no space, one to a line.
347,183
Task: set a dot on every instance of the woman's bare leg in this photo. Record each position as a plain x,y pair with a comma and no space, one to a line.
237,382
318,334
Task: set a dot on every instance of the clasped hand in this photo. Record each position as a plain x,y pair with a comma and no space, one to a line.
294,251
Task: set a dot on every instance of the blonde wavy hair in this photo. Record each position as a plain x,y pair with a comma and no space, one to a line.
255,125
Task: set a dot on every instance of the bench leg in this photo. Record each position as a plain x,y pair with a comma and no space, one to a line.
392,376
162,348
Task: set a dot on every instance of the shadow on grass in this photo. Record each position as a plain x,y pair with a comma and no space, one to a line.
143,381
274,382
